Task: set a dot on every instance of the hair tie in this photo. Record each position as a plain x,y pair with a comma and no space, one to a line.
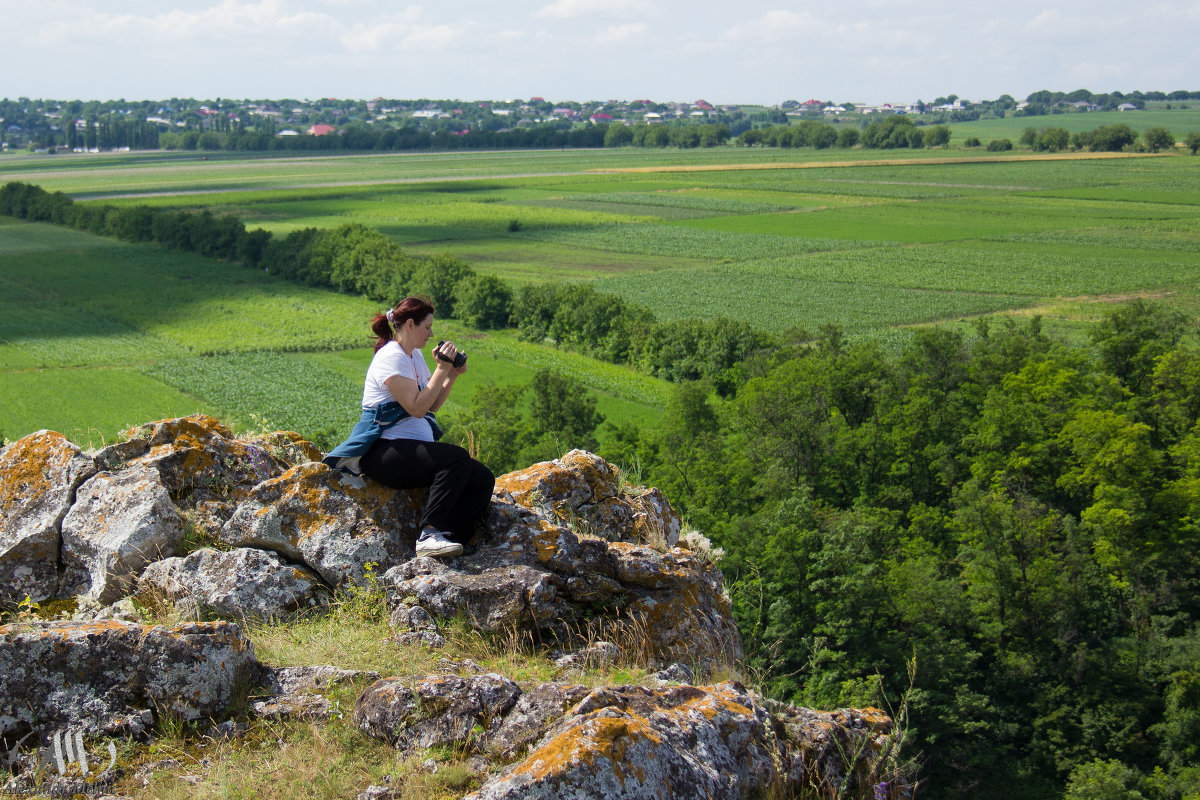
391,316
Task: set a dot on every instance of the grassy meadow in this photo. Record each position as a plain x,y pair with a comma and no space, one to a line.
97,334
1179,121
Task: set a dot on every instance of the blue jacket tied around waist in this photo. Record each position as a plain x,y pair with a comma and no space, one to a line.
374,421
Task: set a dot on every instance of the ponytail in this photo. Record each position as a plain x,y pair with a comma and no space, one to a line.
385,325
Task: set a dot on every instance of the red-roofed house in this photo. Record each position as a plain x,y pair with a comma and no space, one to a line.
321,130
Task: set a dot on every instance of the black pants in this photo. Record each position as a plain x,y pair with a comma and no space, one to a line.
460,488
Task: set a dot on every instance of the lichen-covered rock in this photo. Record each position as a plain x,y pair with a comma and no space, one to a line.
545,579
199,459
722,741
563,485
634,516
333,522
88,609
119,523
632,742
436,710
244,583
117,456
583,488
38,478
532,715
513,596
294,707
199,427
113,677
209,516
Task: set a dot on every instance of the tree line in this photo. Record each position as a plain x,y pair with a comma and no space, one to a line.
888,132
361,137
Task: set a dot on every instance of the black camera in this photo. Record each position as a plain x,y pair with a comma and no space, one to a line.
459,359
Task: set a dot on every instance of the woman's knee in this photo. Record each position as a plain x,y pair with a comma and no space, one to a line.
481,475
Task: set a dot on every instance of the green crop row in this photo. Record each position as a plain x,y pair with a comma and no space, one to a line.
688,200
999,268
269,390
776,296
671,240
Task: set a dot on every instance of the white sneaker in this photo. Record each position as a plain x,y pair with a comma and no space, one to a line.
435,544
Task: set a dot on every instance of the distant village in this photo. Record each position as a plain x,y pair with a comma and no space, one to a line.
75,125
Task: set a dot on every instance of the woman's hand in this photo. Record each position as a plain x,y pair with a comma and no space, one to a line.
445,353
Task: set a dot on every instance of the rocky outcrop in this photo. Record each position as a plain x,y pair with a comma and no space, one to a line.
551,582
112,677
199,459
570,559
569,553
687,741
720,741
244,583
38,478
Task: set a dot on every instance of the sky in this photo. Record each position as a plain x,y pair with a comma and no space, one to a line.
744,51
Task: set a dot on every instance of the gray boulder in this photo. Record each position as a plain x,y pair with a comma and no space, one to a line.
306,680
113,677
119,523
444,709
584,489
244,583
38,478
335,523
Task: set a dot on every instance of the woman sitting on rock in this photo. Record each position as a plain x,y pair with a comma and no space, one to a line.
395,442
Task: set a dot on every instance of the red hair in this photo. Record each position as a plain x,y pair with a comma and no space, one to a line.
414,308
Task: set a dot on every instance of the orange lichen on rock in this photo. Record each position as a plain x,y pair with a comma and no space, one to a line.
603,737
28,465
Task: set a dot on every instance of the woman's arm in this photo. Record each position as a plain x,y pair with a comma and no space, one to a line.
451,351
419,402
441,398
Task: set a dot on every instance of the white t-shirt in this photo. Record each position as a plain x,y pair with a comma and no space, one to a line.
392,360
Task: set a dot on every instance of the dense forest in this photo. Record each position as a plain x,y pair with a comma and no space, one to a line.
991,533
997,532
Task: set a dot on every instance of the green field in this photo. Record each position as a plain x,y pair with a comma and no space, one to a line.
96,336
874,247
1179,121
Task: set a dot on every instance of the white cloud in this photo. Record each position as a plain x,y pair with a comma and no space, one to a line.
229,19
774,26
410,29
574,9
622,34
